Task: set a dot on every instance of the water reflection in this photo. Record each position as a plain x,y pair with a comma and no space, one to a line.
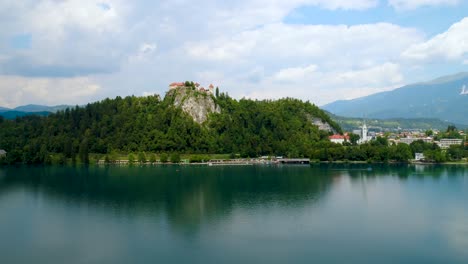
188,196
393,213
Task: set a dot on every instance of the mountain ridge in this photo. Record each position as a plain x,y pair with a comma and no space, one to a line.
440,98
30,109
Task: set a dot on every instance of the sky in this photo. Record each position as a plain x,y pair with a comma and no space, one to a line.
78,51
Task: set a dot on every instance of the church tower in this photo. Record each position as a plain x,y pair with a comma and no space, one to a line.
364,133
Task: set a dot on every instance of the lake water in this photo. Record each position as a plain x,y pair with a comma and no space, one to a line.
256,214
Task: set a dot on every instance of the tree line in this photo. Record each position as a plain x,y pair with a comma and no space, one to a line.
151,125
247,128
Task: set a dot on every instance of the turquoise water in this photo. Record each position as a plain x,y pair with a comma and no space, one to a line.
287,214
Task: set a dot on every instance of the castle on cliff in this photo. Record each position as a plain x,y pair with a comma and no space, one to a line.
209,90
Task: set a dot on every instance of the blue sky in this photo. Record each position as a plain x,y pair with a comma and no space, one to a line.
79,51
431,19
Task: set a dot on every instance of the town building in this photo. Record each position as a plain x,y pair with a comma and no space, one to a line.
357,132
340,139
419,156
445,143
364,136
409,140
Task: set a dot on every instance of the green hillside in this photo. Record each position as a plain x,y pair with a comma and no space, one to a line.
150,124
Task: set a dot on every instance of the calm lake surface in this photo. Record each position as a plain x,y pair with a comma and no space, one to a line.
255,214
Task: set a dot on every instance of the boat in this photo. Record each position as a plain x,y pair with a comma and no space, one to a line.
464,91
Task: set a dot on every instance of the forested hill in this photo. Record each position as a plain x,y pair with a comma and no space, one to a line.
151,124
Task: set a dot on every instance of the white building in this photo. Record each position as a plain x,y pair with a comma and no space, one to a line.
409,140
419,156
338,139
364,137
445,143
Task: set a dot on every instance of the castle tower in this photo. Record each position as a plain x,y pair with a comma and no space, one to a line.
211,87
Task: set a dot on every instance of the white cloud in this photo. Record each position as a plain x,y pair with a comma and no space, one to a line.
295,74
243,46
346,4
18,90
323,87
450,45
149,93
413,4
77,36
335,44
145,51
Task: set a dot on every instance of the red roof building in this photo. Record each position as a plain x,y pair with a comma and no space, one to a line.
340,139
176,84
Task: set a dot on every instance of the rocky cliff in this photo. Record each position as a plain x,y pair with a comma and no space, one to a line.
195,103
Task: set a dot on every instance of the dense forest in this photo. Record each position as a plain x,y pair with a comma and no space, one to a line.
244,127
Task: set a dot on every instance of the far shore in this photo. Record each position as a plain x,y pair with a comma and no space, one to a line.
250,162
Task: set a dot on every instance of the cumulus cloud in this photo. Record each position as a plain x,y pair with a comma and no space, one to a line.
17,90
413,4
145,52
450,45
324,87
71,38
295,74
117,47
324,62
282,42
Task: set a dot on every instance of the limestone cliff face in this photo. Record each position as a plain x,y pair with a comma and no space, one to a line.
322,125
196,104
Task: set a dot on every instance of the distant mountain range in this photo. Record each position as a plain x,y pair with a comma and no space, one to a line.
445,98
30,109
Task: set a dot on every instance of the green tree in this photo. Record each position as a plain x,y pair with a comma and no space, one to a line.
435,156
141,157
403,153
354,138
152,158
163,158
455,152
83,152
217,92
131,158
175,157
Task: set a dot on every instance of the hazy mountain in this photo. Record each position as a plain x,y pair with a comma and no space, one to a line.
441,98
4,109
41,108
15,114
30,109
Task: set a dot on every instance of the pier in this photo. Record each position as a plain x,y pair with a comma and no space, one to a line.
294,161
